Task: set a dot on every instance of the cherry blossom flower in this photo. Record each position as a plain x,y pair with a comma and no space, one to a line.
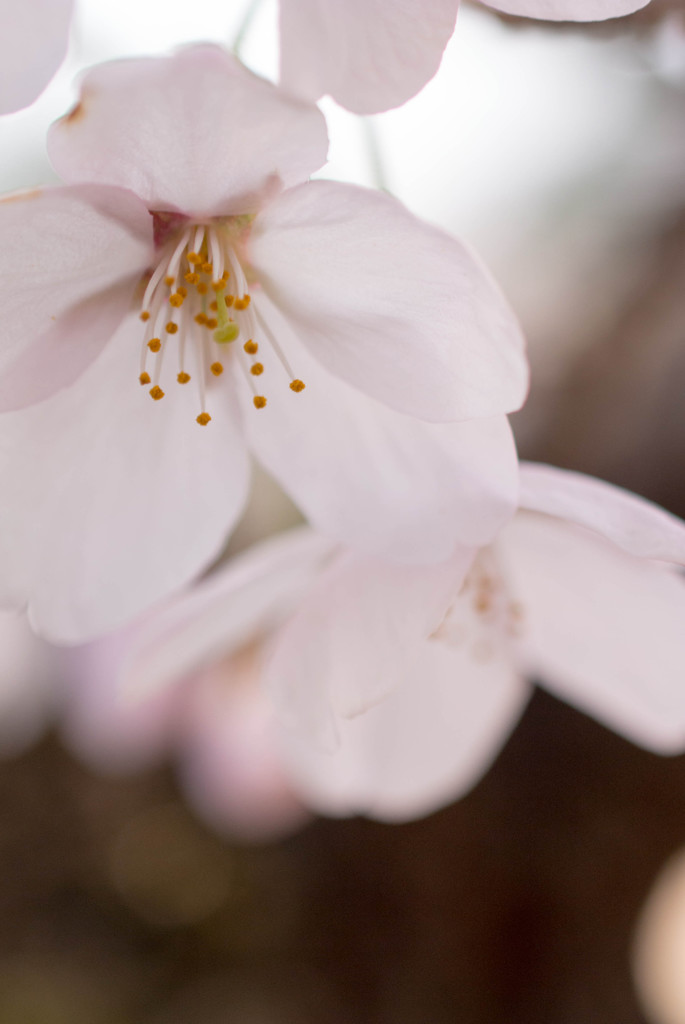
33,43
371,55
319,323
411,678
396,686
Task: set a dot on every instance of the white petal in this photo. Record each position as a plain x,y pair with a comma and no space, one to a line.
427,744
634,524
33,43
195,132
356,636
114,501
372,477
395,307
69,262
568,10
601,628
369,55
240,601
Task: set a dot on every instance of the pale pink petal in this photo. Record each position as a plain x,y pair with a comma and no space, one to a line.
70,259
195,132
372,477
358,634
369,55
600,628
33,43
245,598
230,763
114,501
427,744
568,10
395,307
634,524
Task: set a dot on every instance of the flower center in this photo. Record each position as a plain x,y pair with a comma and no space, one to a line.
198,299
484,615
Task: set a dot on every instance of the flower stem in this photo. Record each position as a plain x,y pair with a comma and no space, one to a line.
246,24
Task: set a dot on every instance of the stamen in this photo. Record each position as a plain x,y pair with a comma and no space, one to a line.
217,369
171,327
259,401
183,377
156,393
154,344
297,385
145,315
144,378
203,419
257,369
169,280
217,263
191,277
251,347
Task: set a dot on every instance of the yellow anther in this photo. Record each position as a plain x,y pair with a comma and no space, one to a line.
176,299
213,306
207,268
251,347
183,377
217,369
171,327
230,299
154,344
168,281
144,378
203,419
242,303
225,276
259,401
212,323
182,291
202,288
156,393
297,385
257,369
144,315
201,319
218,285
194,258
191,277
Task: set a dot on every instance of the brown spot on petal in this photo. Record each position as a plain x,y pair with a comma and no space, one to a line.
76,114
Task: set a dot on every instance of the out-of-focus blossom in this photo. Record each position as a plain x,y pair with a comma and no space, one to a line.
396,686
185,682
371,55
659,950
184,255
413,677
33,43
29,685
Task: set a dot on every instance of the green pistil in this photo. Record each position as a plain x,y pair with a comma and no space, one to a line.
228,329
